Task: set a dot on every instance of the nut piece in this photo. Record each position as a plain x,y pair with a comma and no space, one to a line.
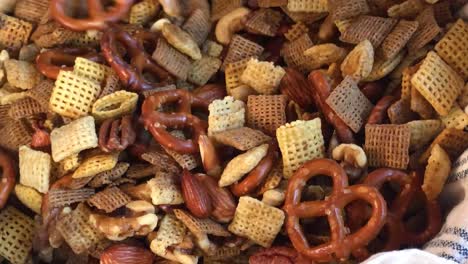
126,254
350,153
358,64
295,86
196,196
230,24
181,40
158,25
274,197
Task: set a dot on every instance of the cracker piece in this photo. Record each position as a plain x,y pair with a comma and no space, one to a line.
350,104
138,171
345,9
21,74
242,164
212,48
185,161
90,69
41,93
31,10
387,145
198,26
296,31
14,32
164,190
299,142
29,197
372,28
318,6
201,226
171,232
453,141
359,62
406,9
273,179
25,108
34,168
16,235
107,177
437,171
233,73
438,83
453,48
142,12
397,39
456,118
202,70
171,59
293,53
225,114
427,30
14,134
72,138
382,67
66,197
77,231
264,22
114,105
264,77
73,95
423,131
420,105
243,138
400,112
96,164
109,200
220,8
257,221
325,54
241,48
305,17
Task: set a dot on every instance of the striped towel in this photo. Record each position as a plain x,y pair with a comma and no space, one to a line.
451,244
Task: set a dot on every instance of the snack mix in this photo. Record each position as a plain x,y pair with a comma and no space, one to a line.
227,131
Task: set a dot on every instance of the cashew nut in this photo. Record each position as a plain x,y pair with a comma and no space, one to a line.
230,24
274,197
158,25
350,153
181,40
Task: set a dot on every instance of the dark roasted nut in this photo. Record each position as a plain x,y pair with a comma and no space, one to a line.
295,86
126,254
196,196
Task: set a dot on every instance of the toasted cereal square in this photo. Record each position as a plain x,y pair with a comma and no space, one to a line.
198,26
387,145
406,76
345,9
463,98
296,31
273,179
420,105
427,30
456,118
90,69
73,95
423,131
114,105
397,39
305,17
111,84
35,168
350,104
372,28
164,190
171,232
438,83
299,142
243,138
29,197
443,13
25,108
293,53
201,226
16,235
14,134
453,48
233,73
109,199
437,171
186,161
308,5
96,164
452,140
212,48
264,22
257,221
241,48
220,8
41,93
72,138
225,114
272,3
65,197
262,76
31,10
171,59
14,32
161,160
266,112
21,74
202,70
406,9
107,177
77,231
142,12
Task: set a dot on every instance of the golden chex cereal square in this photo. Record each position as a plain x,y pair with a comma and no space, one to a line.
96,164
90,69
257,221
35,167
264,77
225,114
21,74
456,118
438,83
308,5
72,138
16,235
452,140
14,32
296,31
233,73
142,12
299,142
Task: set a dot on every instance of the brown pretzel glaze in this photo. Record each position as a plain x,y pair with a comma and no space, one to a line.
379,111
340,244
373,91
278,255
51,62
258,174
398,234
131,74
99,16
8,179
116,134
321,89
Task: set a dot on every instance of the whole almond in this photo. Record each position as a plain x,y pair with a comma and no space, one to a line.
126,254
295,86
224,205
196,196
